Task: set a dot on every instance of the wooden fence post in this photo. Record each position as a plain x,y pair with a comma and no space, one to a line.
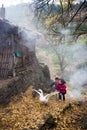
13,55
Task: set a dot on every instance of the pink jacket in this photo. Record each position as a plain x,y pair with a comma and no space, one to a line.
57,85
62,88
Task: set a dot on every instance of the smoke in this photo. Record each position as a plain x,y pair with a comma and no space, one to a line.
75,55
65,32
67,35
79,78
77,81
79,52
29,37
75,94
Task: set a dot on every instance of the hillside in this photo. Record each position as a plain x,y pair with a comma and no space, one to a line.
25,112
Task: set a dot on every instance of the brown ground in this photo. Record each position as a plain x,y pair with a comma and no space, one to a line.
25,112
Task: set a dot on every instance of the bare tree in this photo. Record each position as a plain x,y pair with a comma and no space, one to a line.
67,14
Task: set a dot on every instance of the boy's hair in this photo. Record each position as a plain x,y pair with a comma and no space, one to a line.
56,78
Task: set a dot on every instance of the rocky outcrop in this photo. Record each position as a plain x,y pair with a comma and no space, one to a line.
31,77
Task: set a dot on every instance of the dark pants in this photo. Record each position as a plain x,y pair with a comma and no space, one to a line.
62,96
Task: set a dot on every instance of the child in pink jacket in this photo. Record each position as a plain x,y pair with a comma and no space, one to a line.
62,90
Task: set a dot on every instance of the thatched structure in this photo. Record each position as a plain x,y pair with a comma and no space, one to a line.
19,67
14,55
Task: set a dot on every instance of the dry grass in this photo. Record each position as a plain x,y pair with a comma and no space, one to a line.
25,112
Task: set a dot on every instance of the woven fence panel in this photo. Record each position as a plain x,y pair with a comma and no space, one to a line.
5,54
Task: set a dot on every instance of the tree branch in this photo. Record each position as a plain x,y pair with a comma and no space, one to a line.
77,11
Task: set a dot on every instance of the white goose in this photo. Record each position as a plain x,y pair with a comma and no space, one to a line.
44,98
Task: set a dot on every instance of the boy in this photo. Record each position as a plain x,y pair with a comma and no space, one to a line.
56,84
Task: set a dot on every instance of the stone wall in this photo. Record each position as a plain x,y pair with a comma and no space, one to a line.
33,76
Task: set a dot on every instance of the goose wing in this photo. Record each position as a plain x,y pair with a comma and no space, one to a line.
40,90
37,91
51,94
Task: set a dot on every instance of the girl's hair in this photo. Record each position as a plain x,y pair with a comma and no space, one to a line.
62,81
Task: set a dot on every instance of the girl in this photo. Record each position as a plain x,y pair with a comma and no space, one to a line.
62,89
